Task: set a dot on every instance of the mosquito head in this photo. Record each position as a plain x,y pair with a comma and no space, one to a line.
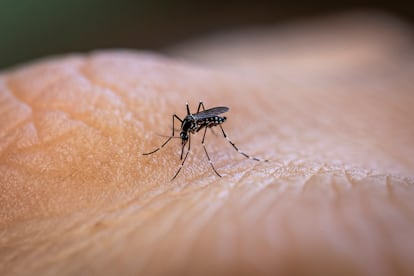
184,137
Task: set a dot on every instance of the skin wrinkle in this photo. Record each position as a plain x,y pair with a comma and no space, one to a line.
179,249
403,206
282,223
12,140
7,88
166,224
157,214
272,222
154,259
4,89
376,245
345,224
51,243
24,167
219,233
50,143
15,81
26,103
84,72
5,150
185,235
199,235
77,116
266,202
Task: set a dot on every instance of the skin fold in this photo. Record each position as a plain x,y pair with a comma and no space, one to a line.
329,103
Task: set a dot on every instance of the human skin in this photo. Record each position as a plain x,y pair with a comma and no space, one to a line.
77,197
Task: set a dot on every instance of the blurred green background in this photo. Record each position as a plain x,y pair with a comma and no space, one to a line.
34,28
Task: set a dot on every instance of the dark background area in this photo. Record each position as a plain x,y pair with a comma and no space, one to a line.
31,28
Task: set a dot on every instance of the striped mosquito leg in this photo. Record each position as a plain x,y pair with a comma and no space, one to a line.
169,138
185,158
188,109
239,151
182,152
208,157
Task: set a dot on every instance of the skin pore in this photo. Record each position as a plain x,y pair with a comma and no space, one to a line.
330,106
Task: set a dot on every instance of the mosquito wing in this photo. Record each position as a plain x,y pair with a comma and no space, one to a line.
211,112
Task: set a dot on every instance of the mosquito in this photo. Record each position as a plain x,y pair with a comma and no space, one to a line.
193,123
